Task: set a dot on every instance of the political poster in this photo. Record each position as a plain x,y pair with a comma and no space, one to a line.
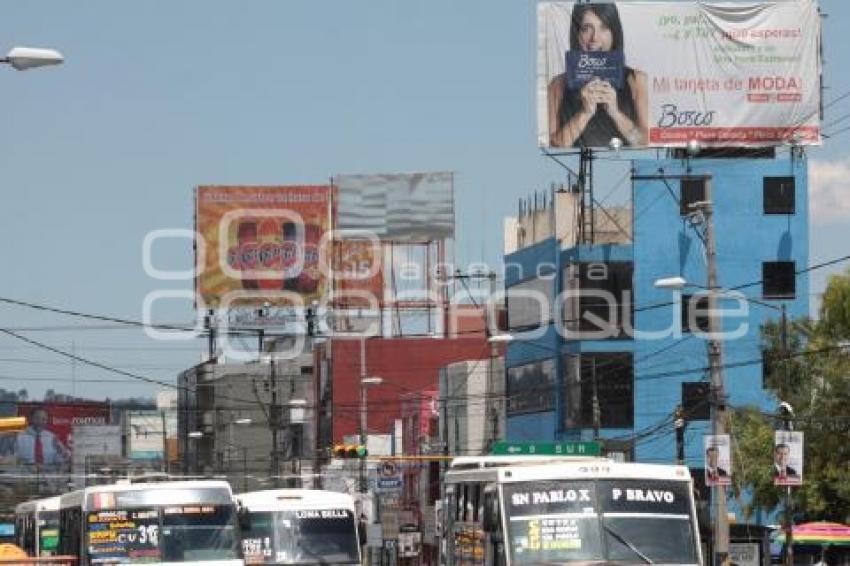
718,461
787,458
653,74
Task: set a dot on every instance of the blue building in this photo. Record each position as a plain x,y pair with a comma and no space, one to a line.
611,355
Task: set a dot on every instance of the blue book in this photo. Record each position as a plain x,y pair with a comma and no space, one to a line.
584,66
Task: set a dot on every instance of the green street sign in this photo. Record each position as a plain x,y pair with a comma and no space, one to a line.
546,449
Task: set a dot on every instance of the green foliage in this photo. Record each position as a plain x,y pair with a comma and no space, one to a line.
815,380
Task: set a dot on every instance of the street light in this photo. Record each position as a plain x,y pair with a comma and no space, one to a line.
24,58
501,339
678,283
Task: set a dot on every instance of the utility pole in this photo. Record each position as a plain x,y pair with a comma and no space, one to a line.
788,424
274,413
363,409
164,443
680,436
209,322
715,363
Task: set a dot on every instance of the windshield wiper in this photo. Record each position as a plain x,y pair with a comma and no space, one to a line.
627,542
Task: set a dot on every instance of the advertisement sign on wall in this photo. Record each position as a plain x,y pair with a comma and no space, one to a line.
48,438
664,74
260,244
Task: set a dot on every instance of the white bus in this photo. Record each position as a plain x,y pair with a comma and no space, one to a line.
536,511
153,523
37,526
299,526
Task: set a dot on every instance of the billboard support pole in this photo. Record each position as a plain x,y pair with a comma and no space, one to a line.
164,443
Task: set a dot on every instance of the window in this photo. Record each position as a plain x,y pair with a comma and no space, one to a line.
779,195
778,279
599,305
690,191
611,375
530,303
695,313
531,387
695,400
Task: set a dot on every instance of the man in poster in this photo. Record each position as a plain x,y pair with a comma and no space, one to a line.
39,446
713,471
717,460
788,458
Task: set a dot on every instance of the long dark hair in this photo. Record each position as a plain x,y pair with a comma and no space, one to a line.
609,15
601,128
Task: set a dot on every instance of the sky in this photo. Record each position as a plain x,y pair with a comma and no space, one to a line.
157,97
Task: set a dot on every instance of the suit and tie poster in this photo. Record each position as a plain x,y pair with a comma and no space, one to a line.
718,462
787,458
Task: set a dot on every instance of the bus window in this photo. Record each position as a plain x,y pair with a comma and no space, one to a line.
199,532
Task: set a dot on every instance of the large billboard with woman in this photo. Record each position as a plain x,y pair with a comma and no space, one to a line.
665,74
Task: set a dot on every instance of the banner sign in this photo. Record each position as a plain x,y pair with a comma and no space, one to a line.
655,74
260,244
718,463
787,458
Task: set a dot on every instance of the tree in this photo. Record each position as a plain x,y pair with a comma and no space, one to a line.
815,379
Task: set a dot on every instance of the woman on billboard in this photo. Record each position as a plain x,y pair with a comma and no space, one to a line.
598,98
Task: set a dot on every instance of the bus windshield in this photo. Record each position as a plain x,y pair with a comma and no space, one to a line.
622,521
180,533
306,536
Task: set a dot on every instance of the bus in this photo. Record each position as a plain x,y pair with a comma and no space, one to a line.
153,523
299,526
37,526
536,510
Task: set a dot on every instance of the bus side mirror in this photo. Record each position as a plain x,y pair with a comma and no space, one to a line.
244,519
491,512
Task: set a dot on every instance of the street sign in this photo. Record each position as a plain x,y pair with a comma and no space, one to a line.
389,477
546,449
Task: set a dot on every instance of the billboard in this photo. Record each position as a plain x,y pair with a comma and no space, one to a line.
398,207
259,244
89,443
145,436
654,74
48,439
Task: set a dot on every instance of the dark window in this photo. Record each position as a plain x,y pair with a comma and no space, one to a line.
611,376
691,191
778,279
695,400
531,387
601,303
779,195
695,313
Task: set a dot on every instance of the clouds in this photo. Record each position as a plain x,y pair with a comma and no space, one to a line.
829,191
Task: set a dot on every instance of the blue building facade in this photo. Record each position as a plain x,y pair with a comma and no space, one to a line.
651,357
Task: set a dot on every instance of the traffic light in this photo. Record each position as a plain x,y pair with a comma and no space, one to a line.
349,451
13,424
